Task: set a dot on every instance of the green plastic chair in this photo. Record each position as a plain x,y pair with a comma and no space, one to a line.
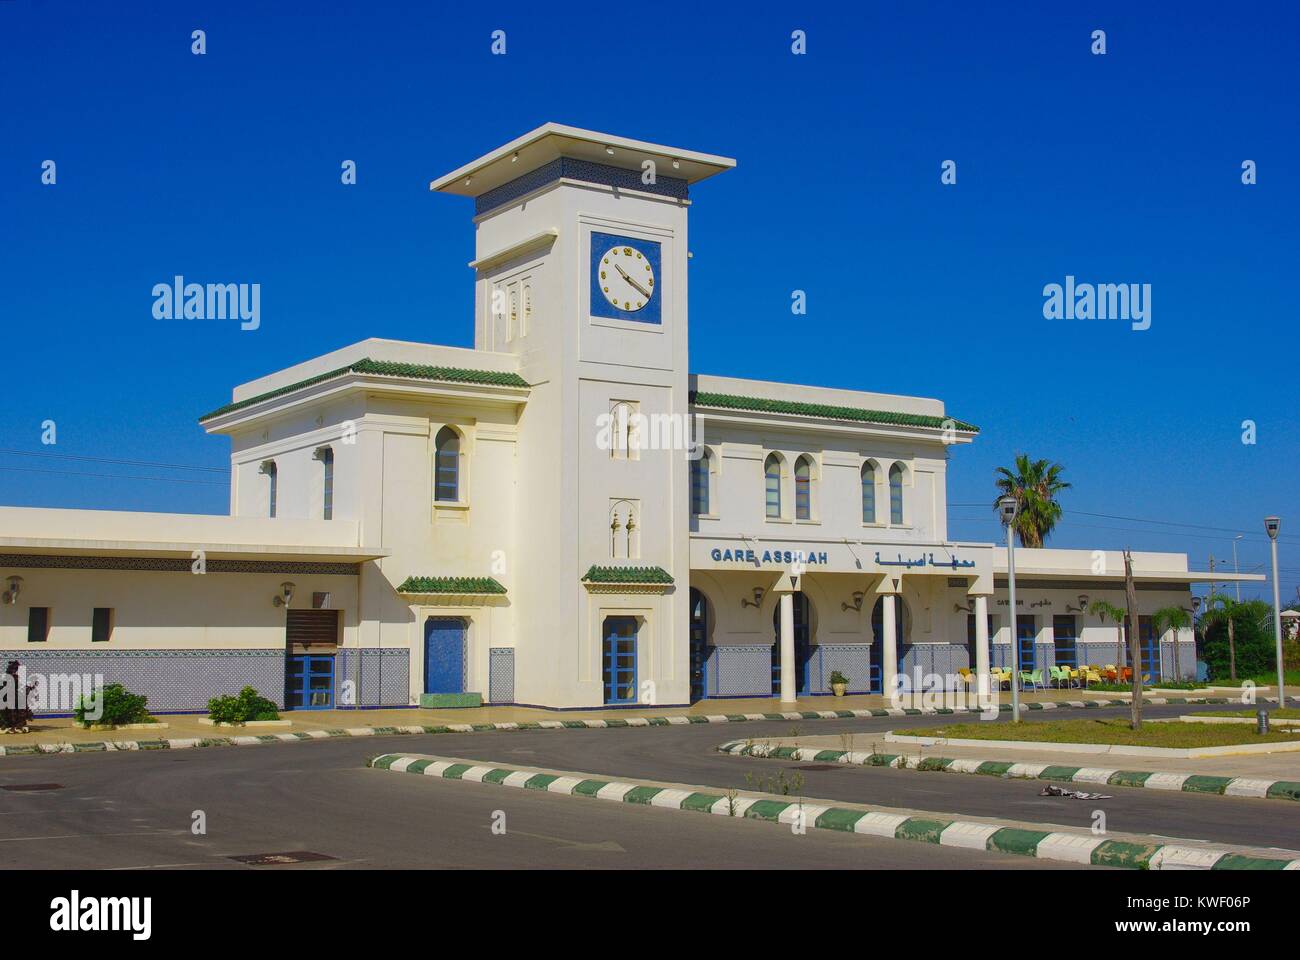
1060,676
1031,679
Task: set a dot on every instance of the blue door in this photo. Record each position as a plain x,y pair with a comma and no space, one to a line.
309,682
1150,642
699,645
444,655
618,660
1027,641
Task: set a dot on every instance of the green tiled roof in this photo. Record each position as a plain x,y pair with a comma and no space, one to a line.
450,585
731,402
410,371
627,575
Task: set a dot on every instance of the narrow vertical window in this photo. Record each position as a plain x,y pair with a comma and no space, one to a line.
326,456
273,476
526,324
101,625
896,494
38,624
803,489
700,484
772,481
446,484
868,493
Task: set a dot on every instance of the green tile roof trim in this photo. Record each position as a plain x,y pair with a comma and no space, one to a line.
385,368
732,402
451,585
627,575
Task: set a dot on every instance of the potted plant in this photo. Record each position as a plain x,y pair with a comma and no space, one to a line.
839,683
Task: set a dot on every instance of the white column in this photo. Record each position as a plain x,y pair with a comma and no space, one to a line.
787,648
983,683
889,643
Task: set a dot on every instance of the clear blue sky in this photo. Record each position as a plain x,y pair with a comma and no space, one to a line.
1117,168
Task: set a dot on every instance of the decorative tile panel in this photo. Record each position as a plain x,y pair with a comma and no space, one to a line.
501,675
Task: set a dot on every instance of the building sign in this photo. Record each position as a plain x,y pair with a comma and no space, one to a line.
784,557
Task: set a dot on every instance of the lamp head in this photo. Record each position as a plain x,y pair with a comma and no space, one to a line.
1272,525
1008,507
285,595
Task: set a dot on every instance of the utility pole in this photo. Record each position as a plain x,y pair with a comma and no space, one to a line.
1134,641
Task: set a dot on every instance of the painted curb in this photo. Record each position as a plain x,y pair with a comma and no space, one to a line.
110,746
1076,848
1112,749
1151,780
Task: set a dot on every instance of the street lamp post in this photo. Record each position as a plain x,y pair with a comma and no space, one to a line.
1272,525
1235,568
1008,507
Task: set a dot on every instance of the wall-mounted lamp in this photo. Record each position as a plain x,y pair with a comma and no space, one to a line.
284,596
857,602
10,596
958,608
1083,605
757,601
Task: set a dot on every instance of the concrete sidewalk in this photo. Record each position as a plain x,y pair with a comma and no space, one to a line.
184,726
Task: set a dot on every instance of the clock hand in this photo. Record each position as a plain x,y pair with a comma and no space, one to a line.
623,273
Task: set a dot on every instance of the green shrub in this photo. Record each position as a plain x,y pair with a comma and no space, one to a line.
249,705
837,677
112,705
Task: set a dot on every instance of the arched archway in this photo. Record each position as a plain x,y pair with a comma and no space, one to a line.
903,622
700,625
803,618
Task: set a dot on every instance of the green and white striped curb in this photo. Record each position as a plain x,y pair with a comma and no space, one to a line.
1142,853
1151,780
109,746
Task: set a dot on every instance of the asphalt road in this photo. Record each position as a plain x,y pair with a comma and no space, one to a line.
135,810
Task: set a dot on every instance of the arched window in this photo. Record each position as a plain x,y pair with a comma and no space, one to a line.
700,470
326,456
446,461
625,432
772,480
868,492
803,484
896,494
273,475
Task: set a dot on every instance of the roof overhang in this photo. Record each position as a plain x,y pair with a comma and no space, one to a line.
551,141
61,547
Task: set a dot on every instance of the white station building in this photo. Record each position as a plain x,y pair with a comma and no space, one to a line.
564,516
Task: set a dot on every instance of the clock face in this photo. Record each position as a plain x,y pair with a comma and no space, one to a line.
626,278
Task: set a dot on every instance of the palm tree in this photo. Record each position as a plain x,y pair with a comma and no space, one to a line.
1175,619
1224,609
1108,611
1035,485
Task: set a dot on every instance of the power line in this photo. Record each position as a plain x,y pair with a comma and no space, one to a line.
1111,516
112,476
1099,526
132,463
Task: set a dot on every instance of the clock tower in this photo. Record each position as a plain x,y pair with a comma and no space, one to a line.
581,271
